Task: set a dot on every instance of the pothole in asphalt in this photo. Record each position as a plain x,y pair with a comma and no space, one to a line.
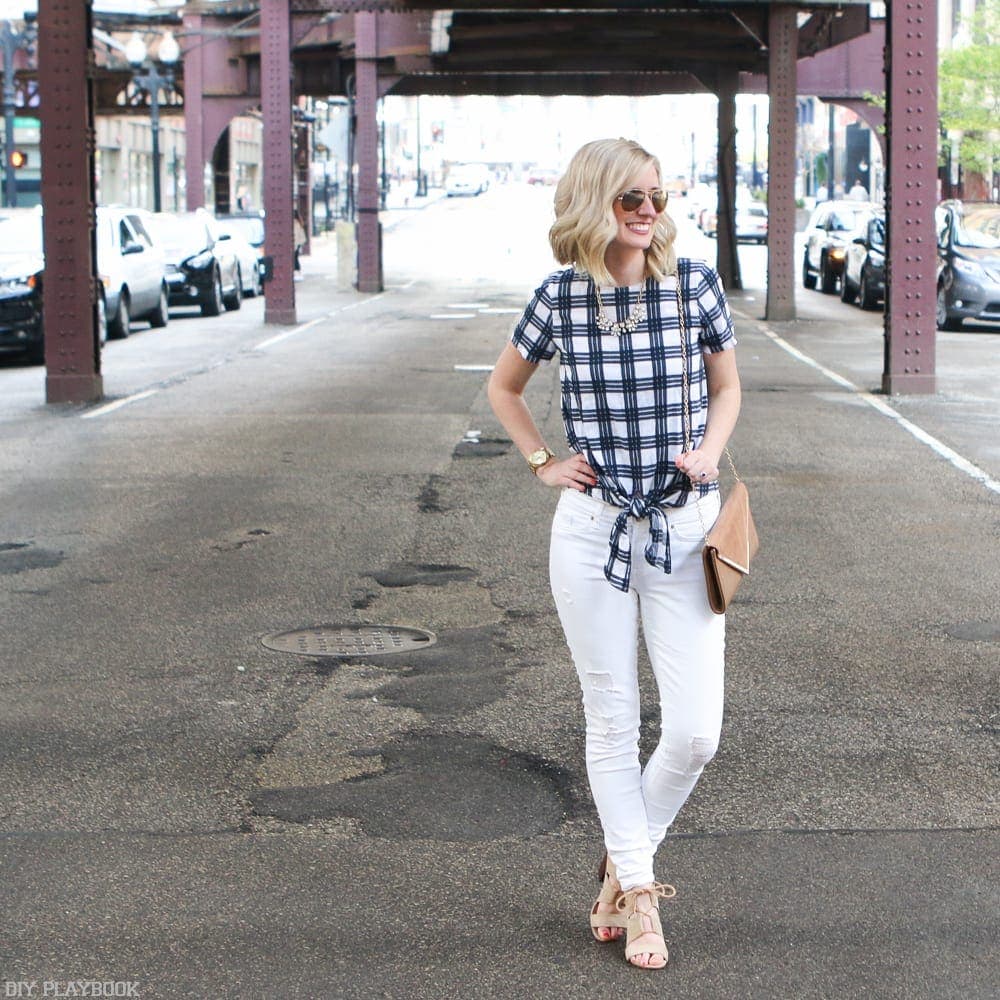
482,448
440,787
17,557
349,640
975,631
422,574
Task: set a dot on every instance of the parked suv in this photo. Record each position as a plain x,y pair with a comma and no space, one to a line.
132,270
968,284
826,239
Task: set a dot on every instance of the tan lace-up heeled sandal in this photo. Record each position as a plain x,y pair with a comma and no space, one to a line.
641,921
609,895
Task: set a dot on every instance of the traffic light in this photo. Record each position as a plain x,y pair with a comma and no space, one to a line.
18,159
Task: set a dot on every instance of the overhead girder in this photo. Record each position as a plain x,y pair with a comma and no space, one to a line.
546,84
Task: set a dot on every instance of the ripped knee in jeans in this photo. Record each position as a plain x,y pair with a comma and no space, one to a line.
601,681
701,750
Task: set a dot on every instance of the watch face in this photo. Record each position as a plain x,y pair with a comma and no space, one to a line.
537,458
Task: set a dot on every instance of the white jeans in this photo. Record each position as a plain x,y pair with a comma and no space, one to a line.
686,645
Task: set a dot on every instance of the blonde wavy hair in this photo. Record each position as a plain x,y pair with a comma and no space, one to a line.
585,223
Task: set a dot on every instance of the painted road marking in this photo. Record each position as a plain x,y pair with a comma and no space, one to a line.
949,454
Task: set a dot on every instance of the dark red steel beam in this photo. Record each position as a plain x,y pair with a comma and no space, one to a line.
276,102
70,314
783,51
911,195
727,260
369,229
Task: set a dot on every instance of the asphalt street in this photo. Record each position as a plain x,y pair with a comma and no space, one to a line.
190,811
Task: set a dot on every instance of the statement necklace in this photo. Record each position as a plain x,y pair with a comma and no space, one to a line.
617,327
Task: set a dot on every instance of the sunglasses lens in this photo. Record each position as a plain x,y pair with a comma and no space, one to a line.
633,199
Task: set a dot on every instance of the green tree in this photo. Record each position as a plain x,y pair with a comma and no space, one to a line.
969,90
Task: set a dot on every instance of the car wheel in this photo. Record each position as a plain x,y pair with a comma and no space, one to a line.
102,319
827,279
119,324
212,304
846,292
944,320
235,299
808,278
161,314
868,298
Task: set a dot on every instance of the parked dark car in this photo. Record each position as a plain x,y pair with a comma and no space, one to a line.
202,268
968,285
864,264
21,272
826,239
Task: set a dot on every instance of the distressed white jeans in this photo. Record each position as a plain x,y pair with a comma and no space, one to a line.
686,645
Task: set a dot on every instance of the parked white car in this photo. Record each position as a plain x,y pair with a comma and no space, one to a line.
467,178
132,270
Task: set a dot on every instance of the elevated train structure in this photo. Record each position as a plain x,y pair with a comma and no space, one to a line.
239,55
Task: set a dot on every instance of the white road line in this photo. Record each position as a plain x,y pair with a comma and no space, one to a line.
361,302
451,316
501,311
949,454
468,305
264,344
117,404
473,368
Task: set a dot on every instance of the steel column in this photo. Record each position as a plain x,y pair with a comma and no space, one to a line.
911,260
195,154
366,144
276,103
728,262
781,81
72,351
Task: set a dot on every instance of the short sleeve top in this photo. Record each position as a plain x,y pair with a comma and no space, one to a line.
622,402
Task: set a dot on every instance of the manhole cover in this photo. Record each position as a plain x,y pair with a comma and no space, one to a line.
349,640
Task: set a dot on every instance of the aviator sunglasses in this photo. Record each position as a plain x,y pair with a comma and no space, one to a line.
634,197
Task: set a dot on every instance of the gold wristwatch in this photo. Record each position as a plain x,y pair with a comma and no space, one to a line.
539,458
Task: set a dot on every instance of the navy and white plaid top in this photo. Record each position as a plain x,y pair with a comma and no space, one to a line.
622,397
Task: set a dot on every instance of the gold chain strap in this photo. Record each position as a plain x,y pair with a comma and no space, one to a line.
686,397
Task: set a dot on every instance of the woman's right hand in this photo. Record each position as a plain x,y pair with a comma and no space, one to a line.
572,472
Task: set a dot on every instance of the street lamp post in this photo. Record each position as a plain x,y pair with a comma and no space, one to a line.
10,42
152,81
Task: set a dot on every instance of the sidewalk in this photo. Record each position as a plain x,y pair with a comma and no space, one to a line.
188,809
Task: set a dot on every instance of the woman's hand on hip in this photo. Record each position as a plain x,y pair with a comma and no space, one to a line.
698,466
573,472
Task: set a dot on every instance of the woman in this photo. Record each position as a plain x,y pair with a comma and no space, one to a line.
634,501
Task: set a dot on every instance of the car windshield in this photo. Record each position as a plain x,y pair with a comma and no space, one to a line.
179,235
21,236
878,233
842,220
979,228
249,229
